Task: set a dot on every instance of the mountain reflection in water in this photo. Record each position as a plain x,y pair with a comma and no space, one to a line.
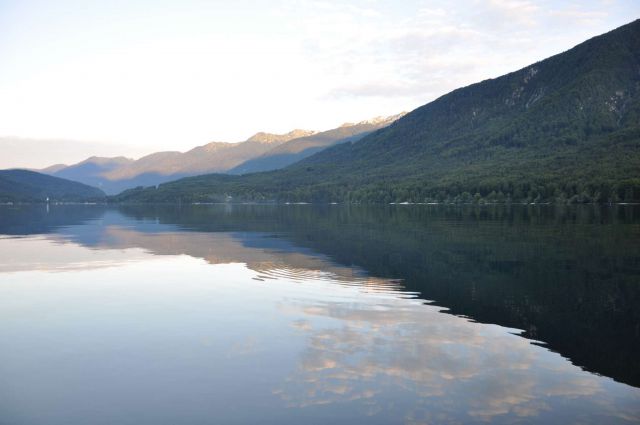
289,314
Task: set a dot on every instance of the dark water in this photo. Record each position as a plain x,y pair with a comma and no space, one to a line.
301,314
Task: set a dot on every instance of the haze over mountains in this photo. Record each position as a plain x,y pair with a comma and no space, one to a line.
566,128
262,151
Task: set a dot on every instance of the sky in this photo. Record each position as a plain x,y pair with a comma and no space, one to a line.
110,78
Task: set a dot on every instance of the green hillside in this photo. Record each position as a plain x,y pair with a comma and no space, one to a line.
29,186
563,129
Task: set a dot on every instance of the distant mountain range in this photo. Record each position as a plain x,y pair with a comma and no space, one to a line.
262,151
294,150
563,129
29,186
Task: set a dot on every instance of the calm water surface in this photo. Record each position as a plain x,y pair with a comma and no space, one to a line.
313,315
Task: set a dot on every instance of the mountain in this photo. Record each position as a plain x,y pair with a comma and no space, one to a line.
114,175
90,171
29,186
565,128
279,138
212,157
302,147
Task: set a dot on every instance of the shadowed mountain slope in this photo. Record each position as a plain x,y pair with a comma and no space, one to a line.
29,186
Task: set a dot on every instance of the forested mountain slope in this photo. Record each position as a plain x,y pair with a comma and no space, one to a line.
29,186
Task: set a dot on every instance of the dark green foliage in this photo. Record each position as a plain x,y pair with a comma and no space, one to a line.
29,186
566,129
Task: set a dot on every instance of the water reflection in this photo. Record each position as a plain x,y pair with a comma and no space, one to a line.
440,368
288,314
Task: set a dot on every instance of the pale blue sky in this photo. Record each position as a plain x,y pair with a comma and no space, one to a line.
133,77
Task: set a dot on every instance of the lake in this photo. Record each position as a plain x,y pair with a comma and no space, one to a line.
301,314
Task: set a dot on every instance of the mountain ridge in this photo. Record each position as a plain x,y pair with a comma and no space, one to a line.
296,149
116,174
270,137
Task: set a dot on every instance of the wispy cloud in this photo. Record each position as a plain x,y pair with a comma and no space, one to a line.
441,45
